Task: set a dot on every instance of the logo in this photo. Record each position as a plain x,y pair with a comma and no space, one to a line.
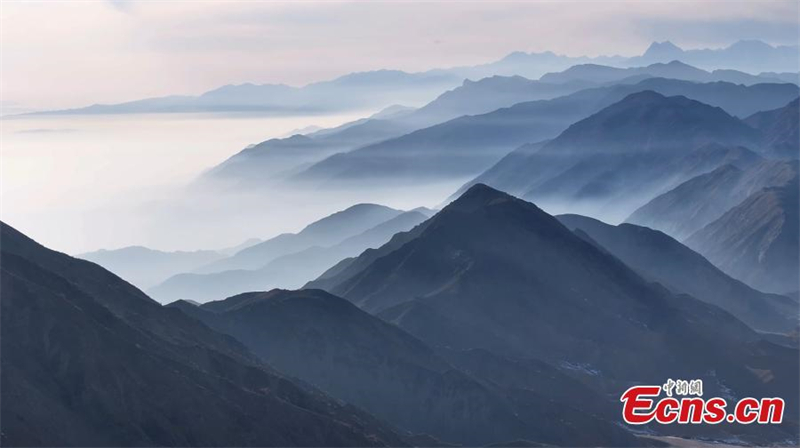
683,403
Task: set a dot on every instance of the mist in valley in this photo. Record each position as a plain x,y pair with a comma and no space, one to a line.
82,183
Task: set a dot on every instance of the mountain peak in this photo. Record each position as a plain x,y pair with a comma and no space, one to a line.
480,195
649,121
659,49
482,189
677,63
645,96
751,45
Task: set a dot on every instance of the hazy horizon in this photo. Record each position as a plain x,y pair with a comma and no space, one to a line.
81,183
129,50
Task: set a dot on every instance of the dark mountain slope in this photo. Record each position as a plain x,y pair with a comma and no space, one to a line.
780,129
660,258
351,266
350,354
499,266
757,241
695,203
88,360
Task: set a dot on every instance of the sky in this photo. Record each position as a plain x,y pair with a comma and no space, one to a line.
58,54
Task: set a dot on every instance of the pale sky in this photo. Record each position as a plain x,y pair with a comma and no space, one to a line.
59,54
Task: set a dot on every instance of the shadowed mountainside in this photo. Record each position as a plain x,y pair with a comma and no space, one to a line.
700,200
780,129
328,342
494,272
757,241
658,257
89,360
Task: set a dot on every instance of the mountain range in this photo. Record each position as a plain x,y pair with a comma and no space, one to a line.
603,74
658,257
326,231
89,360
490,322
780,129
381,139
355,91
700,200
465,146
148,267
377,89
757,240
291,260
496,273
621,157
752,56
327,341
145,267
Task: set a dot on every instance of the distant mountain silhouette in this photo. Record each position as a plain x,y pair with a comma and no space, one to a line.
518,283
662,50
757,241
327,231
291,270
89,360
467,145
147,267
355,91
622,156
658,257
632,149
747,56
697,202
751,56
328,342
241,246
486,95
601,74
650,122
780,129
271,160
382,88
528,168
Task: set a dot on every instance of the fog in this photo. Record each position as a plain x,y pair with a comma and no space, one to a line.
80,183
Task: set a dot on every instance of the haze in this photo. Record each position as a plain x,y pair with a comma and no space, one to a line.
111,51
79,183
